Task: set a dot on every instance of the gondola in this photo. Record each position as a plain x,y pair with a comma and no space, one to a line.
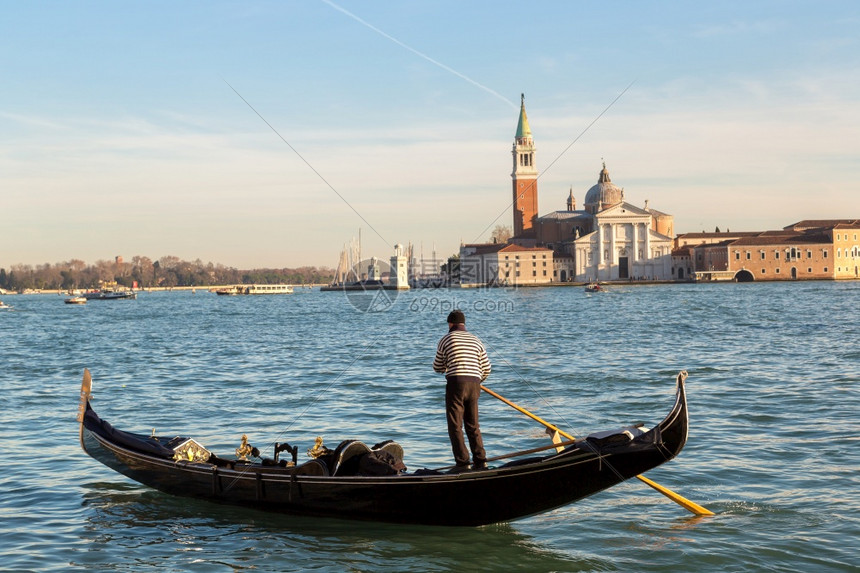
334,485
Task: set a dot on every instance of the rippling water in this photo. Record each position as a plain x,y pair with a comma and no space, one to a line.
773,447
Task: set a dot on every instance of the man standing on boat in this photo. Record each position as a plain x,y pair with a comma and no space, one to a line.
461,356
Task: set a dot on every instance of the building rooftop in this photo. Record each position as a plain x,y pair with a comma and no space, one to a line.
783,239
820,224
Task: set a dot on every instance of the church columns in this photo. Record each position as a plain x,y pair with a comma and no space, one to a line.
647,242
599,244
613,255
634,256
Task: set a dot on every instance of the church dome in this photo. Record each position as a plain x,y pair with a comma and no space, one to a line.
603,195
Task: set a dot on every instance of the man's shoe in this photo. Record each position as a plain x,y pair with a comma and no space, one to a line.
458,469
480,466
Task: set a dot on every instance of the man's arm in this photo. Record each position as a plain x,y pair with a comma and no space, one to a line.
484,360
440,363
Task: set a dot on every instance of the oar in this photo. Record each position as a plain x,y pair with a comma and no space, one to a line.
680,500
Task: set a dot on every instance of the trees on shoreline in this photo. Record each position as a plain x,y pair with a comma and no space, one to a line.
168,271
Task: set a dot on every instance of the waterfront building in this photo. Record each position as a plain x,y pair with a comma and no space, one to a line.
505,264
846,245
775,255
810,249
704,256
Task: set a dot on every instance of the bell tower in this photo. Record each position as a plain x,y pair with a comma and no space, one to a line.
524,175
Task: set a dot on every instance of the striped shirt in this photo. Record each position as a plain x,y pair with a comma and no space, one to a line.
461,353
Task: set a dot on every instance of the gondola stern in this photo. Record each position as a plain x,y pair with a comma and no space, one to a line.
674,428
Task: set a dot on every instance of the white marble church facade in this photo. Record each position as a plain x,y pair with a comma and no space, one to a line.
623,246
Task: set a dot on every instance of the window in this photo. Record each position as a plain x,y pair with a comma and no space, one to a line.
824,253
534,273
764,271
762,256
749,255
777,271
776,255
809,270
808,254
737,255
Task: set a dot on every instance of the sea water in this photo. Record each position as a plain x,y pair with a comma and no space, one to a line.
774,447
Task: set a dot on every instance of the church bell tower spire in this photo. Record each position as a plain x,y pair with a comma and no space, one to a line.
524,177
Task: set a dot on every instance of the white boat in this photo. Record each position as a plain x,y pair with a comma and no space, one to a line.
269,289
3,305
255,289
76,300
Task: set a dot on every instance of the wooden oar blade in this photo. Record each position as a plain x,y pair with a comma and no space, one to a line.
677,498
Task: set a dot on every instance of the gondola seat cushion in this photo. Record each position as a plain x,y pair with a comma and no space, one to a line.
380,463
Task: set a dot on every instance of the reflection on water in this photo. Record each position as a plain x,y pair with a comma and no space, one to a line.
161,528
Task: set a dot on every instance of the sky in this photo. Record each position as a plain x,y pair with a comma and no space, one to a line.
269,134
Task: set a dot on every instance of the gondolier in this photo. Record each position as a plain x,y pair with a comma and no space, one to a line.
461,356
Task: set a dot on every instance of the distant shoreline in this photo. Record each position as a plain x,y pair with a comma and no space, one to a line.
213,288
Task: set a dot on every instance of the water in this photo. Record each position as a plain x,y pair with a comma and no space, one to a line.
773,450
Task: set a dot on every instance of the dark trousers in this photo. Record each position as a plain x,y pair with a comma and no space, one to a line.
461,408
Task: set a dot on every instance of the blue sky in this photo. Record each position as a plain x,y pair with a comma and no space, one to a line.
120,133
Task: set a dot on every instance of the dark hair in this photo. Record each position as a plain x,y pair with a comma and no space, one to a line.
457,317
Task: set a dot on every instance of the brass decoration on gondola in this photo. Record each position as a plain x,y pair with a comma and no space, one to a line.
190,451
319,449
245,449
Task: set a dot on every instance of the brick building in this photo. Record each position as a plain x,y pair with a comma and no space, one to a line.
810,249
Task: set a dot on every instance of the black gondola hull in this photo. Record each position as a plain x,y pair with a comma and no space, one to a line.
512,491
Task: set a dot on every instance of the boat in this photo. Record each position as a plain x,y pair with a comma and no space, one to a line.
110,290
593,287
255,289
3,305
333,484
76,300
269,289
